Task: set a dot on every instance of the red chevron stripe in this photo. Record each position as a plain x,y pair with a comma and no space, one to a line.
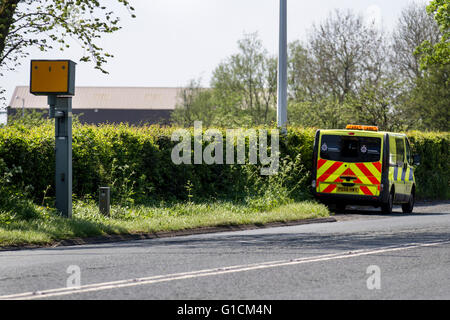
366,191
330,188
377,165
320,163
330,171
367,173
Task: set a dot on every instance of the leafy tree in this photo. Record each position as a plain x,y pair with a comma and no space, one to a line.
243,90
245,84
346,51
429,101
414,26
196,104
327,113
341,57
379,104
302,80
439,53
44,23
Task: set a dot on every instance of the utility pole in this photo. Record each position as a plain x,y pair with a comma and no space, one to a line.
282,69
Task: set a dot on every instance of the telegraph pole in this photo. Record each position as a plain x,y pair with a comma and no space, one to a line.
282,69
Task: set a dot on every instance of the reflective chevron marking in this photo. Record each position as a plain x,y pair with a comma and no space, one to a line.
377,165
366,191
330,171
367,173
330,188
320,163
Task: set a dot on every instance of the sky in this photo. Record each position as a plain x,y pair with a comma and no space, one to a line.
173,41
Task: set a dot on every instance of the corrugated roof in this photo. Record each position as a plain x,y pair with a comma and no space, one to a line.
143,98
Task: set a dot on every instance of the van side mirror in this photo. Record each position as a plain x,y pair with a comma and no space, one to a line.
416,159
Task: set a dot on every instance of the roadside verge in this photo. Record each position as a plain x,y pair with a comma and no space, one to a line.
166,234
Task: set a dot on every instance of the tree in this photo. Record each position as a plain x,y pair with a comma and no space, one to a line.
302,84
414,26
44,23
430,100
438,54
379,104
341,57
196,104
327,112
243,90
346,51
245,84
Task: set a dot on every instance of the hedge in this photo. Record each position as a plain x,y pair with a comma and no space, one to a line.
136,162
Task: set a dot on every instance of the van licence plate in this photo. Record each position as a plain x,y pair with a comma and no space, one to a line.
348,189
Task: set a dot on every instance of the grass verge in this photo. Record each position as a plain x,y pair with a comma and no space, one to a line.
45,226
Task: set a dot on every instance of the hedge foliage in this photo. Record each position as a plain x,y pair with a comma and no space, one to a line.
136,163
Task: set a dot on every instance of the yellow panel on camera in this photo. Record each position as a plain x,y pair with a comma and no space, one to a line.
52,77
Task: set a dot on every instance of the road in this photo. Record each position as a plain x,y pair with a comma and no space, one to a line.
364,255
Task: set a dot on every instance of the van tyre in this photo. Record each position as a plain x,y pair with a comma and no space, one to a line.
408,207
387,207
340,207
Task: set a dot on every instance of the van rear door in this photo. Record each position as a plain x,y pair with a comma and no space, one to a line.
349,164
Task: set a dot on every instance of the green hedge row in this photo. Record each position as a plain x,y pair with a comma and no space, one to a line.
433,173
136,162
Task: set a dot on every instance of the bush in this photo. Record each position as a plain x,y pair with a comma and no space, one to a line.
14,202
136,163
433,173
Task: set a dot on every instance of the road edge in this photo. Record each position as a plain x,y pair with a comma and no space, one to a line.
165,234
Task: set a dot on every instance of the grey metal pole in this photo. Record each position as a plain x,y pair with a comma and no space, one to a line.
282,69
61,110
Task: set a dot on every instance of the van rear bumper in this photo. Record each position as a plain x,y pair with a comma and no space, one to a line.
349,199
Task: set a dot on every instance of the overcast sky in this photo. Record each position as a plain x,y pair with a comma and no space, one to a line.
173,41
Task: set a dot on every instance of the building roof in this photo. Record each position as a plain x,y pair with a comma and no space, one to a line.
137,98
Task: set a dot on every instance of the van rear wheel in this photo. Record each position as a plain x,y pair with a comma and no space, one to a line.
387,207
408,207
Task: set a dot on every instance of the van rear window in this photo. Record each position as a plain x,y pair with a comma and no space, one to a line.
350,148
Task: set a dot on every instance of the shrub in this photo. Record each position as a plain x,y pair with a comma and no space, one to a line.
136,163
433,173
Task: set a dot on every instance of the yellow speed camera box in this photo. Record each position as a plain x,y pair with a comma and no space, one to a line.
52,77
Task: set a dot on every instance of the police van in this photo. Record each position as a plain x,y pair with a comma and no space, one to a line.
363,166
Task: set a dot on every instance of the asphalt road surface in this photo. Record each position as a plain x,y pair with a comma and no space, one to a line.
364,255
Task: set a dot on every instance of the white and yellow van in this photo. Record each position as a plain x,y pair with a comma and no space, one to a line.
363,166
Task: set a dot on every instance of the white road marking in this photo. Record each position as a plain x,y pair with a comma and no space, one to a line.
209,272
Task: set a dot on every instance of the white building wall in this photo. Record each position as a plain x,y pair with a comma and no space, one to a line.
3,116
